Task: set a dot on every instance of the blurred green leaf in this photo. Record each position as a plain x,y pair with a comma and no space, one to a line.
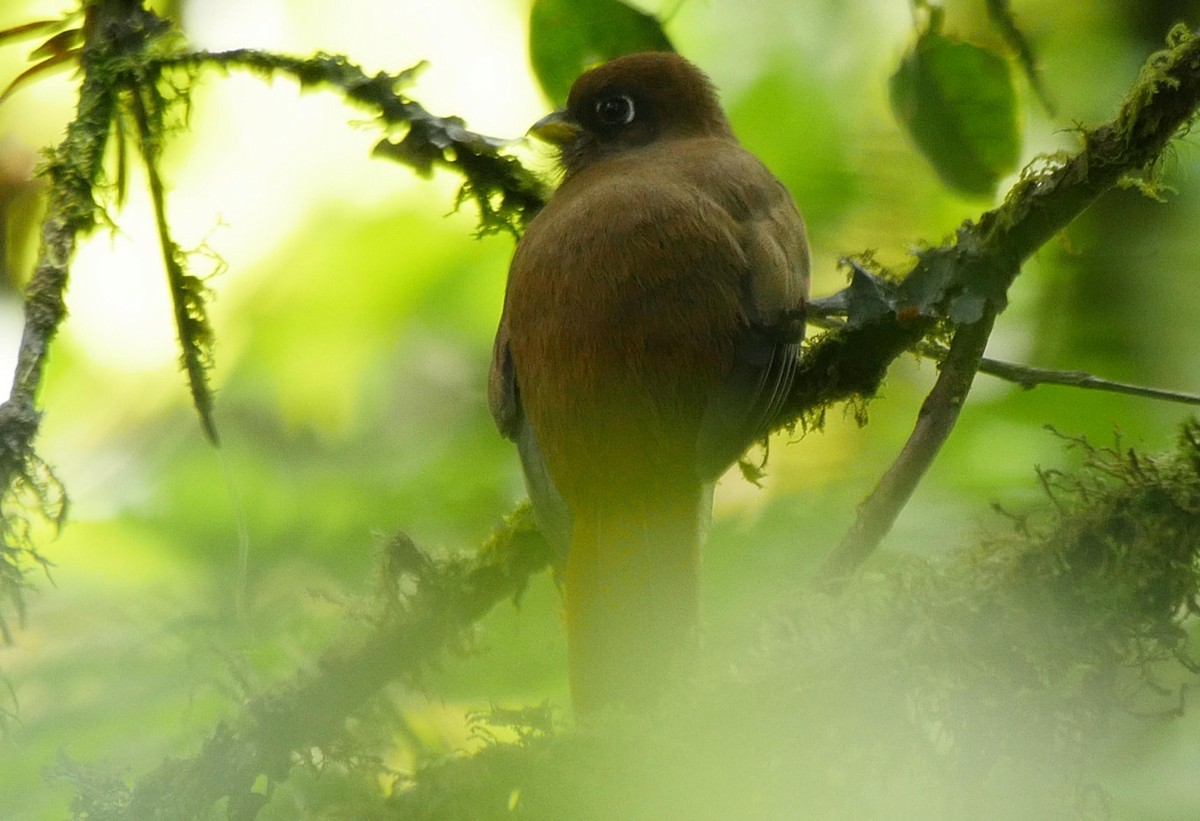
566,37
957,102
788,118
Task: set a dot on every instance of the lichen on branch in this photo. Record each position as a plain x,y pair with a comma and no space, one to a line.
958,288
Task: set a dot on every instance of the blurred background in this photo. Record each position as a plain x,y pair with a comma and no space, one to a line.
354,312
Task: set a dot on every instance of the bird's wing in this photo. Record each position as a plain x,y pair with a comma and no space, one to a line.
504,399
767,350
550,510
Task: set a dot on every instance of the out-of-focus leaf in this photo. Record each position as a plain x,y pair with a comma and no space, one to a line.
791,122
567,37
957,102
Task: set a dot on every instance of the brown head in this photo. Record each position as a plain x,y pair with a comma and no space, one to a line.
630,102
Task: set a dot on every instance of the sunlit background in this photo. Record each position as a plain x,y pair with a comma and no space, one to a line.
354,312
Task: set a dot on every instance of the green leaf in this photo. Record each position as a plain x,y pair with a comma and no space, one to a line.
819,175
957,102
567,37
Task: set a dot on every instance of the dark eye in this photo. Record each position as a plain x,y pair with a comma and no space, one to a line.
615,110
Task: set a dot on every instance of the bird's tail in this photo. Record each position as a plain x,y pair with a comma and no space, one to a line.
632,596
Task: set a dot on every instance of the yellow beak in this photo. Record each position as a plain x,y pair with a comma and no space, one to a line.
556,128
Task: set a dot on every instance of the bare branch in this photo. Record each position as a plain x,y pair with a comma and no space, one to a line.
1029,377
934,423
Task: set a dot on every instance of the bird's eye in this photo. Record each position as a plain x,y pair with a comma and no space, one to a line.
615,110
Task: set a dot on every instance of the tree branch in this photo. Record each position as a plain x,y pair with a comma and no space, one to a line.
187,291
1029,377
506,193
310,710
954,281
934,422
1026,376
27,487
965,284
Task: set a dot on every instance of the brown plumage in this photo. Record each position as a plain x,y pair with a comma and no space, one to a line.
651,328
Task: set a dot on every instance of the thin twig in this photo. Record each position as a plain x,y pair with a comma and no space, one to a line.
934,423
1029,377
1001,14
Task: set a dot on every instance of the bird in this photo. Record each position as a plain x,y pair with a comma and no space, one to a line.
651,329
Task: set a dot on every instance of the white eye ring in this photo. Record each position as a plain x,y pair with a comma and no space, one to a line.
616,109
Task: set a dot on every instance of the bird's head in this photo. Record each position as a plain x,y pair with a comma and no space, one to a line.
630,102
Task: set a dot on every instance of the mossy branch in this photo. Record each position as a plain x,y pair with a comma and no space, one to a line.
960,284
506,193
423,608
953,282
72,168
188,296
1020,652
126,53
979,687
